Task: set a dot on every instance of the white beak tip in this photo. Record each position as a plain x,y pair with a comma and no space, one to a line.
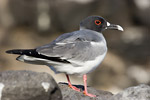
120,28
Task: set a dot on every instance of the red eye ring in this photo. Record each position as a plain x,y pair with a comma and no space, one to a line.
98,22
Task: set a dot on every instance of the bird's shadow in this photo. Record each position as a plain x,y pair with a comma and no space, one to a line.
78,86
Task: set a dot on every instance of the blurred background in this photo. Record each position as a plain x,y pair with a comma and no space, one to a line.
32,23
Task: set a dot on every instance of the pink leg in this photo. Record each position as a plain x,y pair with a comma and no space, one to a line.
70,85
85,87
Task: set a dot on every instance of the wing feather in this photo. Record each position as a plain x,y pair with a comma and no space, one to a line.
74,46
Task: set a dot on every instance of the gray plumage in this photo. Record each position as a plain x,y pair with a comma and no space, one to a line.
75,46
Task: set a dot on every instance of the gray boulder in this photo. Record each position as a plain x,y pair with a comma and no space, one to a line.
140,92
69,94
28,85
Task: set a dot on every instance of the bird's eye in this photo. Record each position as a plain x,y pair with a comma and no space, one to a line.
98,22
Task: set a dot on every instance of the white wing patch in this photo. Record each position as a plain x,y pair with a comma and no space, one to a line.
60,43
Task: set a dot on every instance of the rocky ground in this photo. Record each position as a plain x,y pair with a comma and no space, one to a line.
28,85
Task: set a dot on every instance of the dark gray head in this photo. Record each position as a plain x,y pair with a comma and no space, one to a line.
98,24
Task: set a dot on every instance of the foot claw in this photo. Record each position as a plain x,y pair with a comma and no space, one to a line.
88,94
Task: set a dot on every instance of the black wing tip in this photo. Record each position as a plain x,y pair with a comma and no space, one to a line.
9,51
21,51
15,51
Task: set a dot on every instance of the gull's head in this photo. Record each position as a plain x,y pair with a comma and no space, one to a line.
97,23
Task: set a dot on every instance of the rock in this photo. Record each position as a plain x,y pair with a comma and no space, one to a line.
141,92
28,85
69,94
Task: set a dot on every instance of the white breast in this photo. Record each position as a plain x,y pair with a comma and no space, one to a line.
82,68
91,65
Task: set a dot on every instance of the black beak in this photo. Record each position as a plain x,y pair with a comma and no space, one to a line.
113,26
